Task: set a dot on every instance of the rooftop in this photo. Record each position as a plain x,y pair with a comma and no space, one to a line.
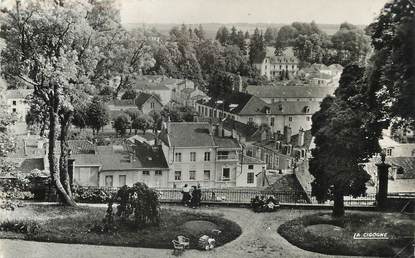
18,93
190,135
142,98
241,128
237,103
290,91
295,107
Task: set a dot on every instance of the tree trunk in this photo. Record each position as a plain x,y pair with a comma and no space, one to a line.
338,207
53,164
63,160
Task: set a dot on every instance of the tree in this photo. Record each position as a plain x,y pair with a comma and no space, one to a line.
133,113
200,32
48,47
270,36
351,44
223,35
285,37
97,114
80,118
392,67
157,119
37,118
346,131
142,123
129,94
106,91
121,124
256,47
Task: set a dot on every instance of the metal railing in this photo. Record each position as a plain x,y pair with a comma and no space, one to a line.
244,196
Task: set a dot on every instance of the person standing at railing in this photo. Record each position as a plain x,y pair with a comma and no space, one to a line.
186,194
198,191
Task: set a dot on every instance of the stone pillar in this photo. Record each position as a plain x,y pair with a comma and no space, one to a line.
382,191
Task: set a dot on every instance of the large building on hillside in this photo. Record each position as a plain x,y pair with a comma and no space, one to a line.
246,108
16,101
271,94
199,153
274,66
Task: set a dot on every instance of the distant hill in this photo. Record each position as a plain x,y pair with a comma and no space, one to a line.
212,28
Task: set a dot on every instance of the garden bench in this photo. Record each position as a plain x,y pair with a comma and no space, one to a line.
178,247
184,241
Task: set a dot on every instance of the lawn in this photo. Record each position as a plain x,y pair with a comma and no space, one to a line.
73,225
324,234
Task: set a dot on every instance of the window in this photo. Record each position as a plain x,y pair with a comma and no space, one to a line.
152,105
14,110
158,173
226,174
14,102
122,180
206,175
177,175
389,152
290,118
288,163
272,121
250,119
193,156
108,181
250,166
250,178
307,118
293,67
413,152
178,157
276,160
146,173
199,109
207,156
192,175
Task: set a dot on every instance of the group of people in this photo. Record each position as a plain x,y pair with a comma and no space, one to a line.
191,196
261,204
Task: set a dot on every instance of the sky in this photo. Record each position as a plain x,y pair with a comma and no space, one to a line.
250,11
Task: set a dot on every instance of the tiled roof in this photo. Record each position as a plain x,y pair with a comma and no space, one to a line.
18,93
81,147
237,103
143,97
295,107
307,139
26,165
291,91
250,160
118,157
285,183
190,135
241,128
226,142
122,102
150,156
287,56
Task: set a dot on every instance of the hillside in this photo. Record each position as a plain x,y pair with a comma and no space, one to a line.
211,28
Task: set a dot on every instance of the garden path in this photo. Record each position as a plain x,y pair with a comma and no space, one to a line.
259,239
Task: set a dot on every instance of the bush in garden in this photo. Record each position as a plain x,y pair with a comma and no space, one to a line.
25,227
108,225
92,195
138,204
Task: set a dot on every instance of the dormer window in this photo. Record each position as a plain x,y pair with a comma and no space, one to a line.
280,108
267,110
306,109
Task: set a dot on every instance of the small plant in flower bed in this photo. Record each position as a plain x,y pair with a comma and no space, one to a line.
25,227
92,195
108,223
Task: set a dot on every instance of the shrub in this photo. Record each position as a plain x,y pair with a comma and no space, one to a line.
25,227
138,204
92,195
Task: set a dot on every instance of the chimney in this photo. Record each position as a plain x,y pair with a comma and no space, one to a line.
40,144
240,86
25,147
220,130
287,134
301,137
